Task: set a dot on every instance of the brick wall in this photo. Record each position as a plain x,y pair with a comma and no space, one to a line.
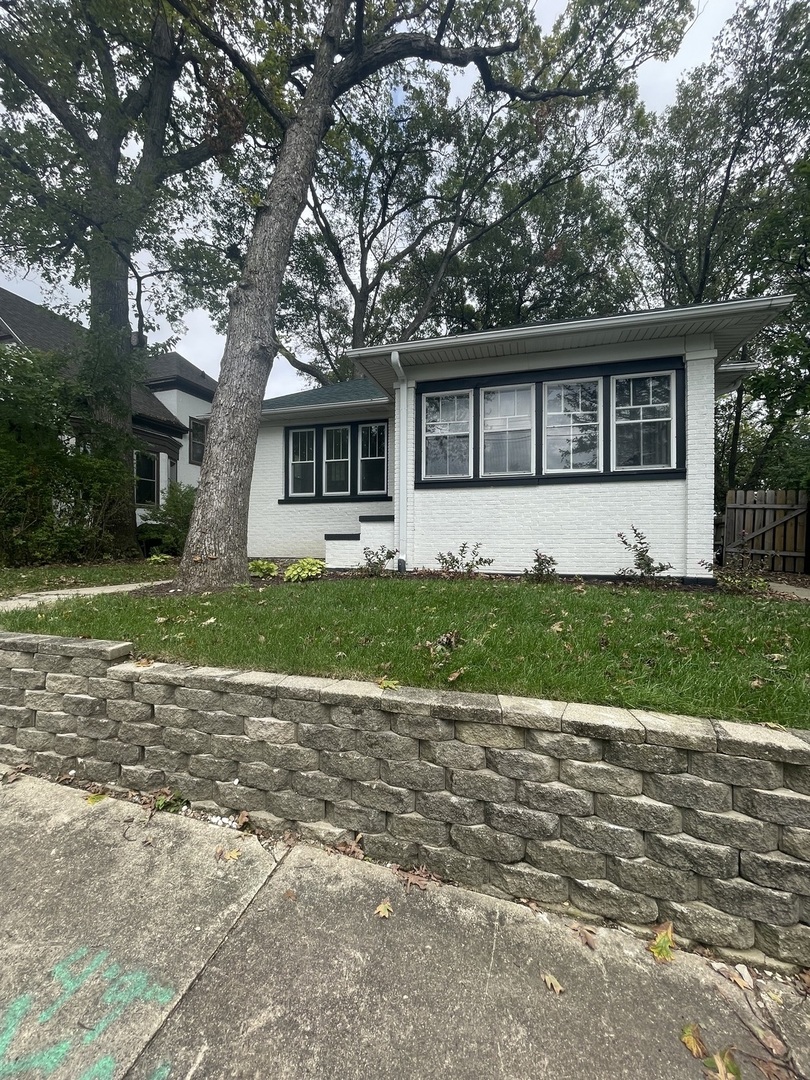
633,816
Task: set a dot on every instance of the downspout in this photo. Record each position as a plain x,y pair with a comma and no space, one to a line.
401,388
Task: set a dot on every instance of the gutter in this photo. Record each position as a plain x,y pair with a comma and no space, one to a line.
660,316
401,395
325,405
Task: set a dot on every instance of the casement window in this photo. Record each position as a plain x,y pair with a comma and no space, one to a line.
447,434
642,421
507,431
340,461
373,468
197,431
571,439
147,479
302,462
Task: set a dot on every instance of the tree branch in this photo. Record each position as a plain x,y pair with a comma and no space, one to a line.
302,365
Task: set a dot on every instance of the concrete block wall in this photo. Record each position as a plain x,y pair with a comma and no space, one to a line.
633,816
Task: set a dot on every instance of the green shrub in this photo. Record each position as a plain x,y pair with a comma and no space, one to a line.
542,568
377,560
305,570
167,525
262,568
467,561
644,566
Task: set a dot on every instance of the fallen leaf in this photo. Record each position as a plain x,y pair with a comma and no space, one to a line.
745,975
586,934
208,622
456,674
772,1070
290,894
144,662
756,684
691,1039
804,980
722,1066
243,819
91,800
552,983
352,848
775,997
388,684
775,657
734,976
232,853
663,946
557,627
383,910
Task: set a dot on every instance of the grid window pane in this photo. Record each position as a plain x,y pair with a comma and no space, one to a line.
336,461
302,462
198,429
572,426
373,458
507,430
447,435
643,421
146,479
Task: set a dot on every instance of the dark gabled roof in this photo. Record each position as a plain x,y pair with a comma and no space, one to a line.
171,370
353,392
35,326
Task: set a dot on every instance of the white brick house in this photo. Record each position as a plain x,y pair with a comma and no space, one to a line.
553,437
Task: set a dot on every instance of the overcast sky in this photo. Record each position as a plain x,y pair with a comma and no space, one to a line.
657,82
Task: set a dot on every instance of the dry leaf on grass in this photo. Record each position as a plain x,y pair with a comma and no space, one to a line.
552,983
383,910
692,1040
662,945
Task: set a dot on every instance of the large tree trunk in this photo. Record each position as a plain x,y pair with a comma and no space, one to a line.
215,555
108,370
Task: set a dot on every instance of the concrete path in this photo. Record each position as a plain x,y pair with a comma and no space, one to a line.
34,599
789,590
141,948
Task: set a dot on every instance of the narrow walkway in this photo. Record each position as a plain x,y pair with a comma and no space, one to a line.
34,599
789,590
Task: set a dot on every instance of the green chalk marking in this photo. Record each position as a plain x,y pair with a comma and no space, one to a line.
132,987
104,1069
44,1062
72,982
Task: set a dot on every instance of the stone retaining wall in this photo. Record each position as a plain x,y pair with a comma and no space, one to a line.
634,816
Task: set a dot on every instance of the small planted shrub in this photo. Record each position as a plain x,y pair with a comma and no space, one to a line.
377,561
305,570
467,561
262,568
738,574
644,566
167,525
542,568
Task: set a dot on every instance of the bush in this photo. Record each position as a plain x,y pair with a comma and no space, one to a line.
467,561
644,566
738,574
305,570
377,561
262,568
167,525
542,569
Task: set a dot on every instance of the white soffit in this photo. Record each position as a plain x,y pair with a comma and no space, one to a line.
730,324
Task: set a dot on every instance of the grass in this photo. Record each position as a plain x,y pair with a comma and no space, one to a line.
14,581
707,654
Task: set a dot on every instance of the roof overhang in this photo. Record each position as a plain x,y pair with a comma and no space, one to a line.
367,407
729,324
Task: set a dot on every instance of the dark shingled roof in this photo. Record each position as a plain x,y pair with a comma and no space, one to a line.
342,393
33,325
171,367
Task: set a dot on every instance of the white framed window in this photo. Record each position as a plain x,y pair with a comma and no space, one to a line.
507,431
147,478
571,440
447,431
336,461
302,461
372,459
643,431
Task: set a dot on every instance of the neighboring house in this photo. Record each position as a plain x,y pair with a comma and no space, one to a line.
168,409
553,437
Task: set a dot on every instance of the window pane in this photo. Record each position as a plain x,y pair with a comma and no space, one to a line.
337,443
303,478
655,443
447,435
447,455
507,435
640,391
303,446
660,389
146,471
572,425
372,475
622,392
197,433
628,445
336,477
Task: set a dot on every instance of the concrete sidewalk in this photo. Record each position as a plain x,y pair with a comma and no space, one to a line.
34,599
133,948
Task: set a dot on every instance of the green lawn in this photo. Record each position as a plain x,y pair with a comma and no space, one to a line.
710,654
43,578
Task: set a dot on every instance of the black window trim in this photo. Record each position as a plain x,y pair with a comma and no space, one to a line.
604,372
204,424
353,494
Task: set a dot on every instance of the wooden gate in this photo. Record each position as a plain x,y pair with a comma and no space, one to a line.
771,527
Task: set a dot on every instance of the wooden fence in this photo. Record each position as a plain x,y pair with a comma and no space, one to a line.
769,526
